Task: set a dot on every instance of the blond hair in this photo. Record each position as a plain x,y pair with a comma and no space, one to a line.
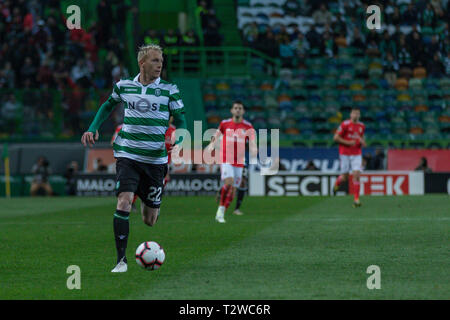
144,50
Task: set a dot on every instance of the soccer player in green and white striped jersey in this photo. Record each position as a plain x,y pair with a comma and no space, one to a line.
140,145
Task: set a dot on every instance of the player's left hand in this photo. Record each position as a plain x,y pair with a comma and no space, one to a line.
88,138
361,141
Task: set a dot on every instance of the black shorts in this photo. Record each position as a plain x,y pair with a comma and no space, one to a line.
144,179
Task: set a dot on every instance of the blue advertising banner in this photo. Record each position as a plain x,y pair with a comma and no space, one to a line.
324,158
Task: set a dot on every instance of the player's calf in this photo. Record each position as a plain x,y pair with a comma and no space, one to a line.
150,215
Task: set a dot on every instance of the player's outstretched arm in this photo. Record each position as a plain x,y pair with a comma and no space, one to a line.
102,114
214,138
363,141
253,148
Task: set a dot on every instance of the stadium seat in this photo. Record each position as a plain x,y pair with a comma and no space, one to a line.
419,73
401,84
415,83
420,108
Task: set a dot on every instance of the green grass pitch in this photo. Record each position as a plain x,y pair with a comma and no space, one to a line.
282,248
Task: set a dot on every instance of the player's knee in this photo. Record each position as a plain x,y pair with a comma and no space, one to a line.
124,202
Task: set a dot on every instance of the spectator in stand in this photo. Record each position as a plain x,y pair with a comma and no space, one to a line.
282,35
7,77
340,40
110,61
428,17
395,18
358,42
409,17
404,59
447,64
339,26
189,39
170,39
119,72
121,10
45,74
322,16
80,74
202,14
211,34
105,17
435,68
28,71
300,45
61,74
414,40
387,44
292,8
314,38
151,37
328,46
372,36
294,32
191,57
10,113
434,47
251,34
286,54
390,68
268,44
437,7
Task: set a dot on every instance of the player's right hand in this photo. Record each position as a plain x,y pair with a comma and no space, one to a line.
88,138
352,143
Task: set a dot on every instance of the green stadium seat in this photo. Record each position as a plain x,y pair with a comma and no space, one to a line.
415,83
444,83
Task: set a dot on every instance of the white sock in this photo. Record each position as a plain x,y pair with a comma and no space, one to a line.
221,210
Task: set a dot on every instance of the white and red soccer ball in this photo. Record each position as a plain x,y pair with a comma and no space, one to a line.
150,255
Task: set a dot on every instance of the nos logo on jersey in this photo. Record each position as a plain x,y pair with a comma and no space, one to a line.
143,105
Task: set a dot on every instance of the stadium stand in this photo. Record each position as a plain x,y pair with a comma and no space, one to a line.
304,65
52,79
398,76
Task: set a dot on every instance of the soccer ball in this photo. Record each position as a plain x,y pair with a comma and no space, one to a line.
150,255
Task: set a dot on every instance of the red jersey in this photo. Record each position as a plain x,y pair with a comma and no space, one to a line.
170,140
235,135
118,128
351,131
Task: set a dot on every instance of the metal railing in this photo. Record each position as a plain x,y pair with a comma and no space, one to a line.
220,61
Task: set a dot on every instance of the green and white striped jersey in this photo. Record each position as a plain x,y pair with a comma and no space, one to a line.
146,119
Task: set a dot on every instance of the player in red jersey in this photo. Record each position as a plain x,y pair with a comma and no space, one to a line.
235,132
350,136
169,140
